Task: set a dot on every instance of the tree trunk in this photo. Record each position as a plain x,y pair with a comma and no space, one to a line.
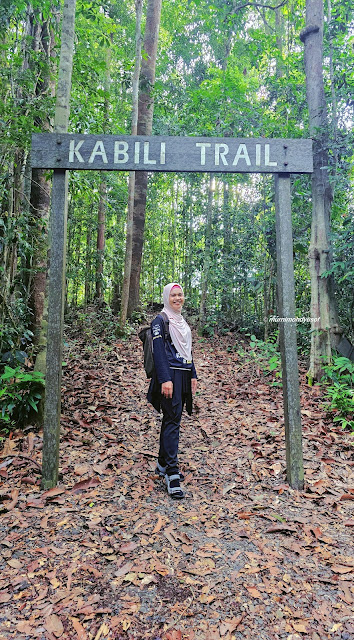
101,222
144,128
207,255
43,40
131,188
101,240
226,294
61,122
325,331
88,265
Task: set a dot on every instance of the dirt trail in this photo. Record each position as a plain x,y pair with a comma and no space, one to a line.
108,555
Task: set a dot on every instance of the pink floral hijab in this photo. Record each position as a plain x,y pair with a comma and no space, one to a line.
181,335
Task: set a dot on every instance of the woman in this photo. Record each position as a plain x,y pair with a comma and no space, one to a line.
174,382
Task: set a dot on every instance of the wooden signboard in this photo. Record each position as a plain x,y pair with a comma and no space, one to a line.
164,153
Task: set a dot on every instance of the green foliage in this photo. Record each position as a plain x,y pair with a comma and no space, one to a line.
339,390
222,70
20,393
97,325
267,357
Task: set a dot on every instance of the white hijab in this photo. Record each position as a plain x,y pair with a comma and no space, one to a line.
181,335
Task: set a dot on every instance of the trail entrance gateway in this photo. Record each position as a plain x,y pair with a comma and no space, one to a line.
63,152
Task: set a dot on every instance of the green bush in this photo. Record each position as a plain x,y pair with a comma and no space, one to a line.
20,393
267,356
339,381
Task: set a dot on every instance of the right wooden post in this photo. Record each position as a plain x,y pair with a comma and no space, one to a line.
287,331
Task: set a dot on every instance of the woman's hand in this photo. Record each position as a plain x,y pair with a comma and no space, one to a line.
167,389
194,383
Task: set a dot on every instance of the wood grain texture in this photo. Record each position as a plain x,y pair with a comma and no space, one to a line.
165,153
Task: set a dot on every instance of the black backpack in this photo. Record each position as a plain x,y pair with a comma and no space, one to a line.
146,338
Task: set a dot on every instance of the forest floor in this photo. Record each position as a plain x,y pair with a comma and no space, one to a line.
107,555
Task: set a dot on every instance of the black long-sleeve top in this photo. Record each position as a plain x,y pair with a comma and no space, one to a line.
166,356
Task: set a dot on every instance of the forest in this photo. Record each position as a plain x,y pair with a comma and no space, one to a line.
104,555
218,69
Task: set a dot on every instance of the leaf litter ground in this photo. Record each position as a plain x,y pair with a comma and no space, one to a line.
108,555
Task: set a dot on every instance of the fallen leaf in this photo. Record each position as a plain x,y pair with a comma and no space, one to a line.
15,564
104,629
280,528
54,625
174,634
227,626
8,448
24,627
127,546
125,568
81,633
5,597
85,484
300,627
228,488
340,568
51,493
206,598
253,591
158,525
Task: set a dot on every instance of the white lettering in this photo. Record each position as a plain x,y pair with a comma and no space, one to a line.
137,152
98,150
146,154
242,153
163,153
202,146
268,162
221,150
120,152
74,151
258,155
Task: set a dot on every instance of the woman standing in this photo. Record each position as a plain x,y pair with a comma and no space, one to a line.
174,382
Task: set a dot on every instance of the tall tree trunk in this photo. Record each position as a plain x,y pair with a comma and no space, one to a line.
226,294
131,188
61,123
43,40
88,265
207,255
145,115
101,222
326,331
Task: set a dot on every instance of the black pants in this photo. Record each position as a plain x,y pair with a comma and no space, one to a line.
172,411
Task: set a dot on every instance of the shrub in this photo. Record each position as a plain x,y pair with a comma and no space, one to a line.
339,381
20,393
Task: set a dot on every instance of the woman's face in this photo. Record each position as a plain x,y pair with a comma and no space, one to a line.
176,298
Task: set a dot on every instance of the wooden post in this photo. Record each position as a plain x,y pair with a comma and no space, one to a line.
51,427
287,331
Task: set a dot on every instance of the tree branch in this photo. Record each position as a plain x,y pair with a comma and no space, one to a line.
258,5
307,31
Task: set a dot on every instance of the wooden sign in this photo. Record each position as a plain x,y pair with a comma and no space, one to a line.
164,153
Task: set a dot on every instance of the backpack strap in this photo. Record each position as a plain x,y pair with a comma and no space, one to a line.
166,324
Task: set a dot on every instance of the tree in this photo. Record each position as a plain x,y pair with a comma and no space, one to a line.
129,230
144,128
326,331
42,41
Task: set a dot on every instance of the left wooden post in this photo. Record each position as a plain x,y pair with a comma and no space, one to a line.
56,296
